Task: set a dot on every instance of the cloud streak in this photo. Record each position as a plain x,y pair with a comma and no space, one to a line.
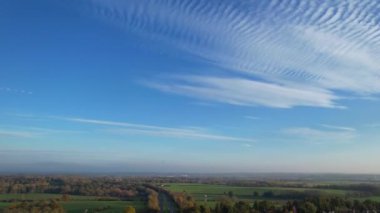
119,128
342,128
150,130
239,91
32,132
18,134
250,117
331,134
321,48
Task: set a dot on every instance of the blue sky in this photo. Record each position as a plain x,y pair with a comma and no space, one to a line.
190,86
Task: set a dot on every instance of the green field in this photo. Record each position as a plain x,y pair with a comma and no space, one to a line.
76,204
3,205
374,198
215,192
115,206
238,191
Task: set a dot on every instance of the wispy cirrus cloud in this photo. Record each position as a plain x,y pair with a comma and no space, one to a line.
31,132
250,117
330,134
240,91
342,128
14,133
320,48
151,130
179,133
119,128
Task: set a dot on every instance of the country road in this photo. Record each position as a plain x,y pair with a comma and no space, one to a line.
166,204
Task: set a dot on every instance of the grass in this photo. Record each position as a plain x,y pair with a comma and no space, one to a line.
3,205
374,198
114,206
77,203
239,191
214,192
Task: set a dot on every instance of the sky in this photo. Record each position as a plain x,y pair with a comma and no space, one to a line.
209,86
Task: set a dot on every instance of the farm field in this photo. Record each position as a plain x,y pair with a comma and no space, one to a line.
374,198
109,206
214,192
238,191
158,194
77,203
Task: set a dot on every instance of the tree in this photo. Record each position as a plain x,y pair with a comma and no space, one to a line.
153,203
242,207
231,194
225,206
130,209
204,209
307,207
268,194
265,206
65,197
41,206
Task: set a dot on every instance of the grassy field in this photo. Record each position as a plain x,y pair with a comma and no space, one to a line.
77,204
114,206
3,205
238,191
215,192
374,198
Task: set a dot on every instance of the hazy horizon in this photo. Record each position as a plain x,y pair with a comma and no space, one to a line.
190,86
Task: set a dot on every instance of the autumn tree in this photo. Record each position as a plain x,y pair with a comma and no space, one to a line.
153,202
130,209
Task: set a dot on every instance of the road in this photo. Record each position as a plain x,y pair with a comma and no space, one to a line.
166,204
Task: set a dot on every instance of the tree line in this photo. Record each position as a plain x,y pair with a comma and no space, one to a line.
101,187
309,205
41,206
